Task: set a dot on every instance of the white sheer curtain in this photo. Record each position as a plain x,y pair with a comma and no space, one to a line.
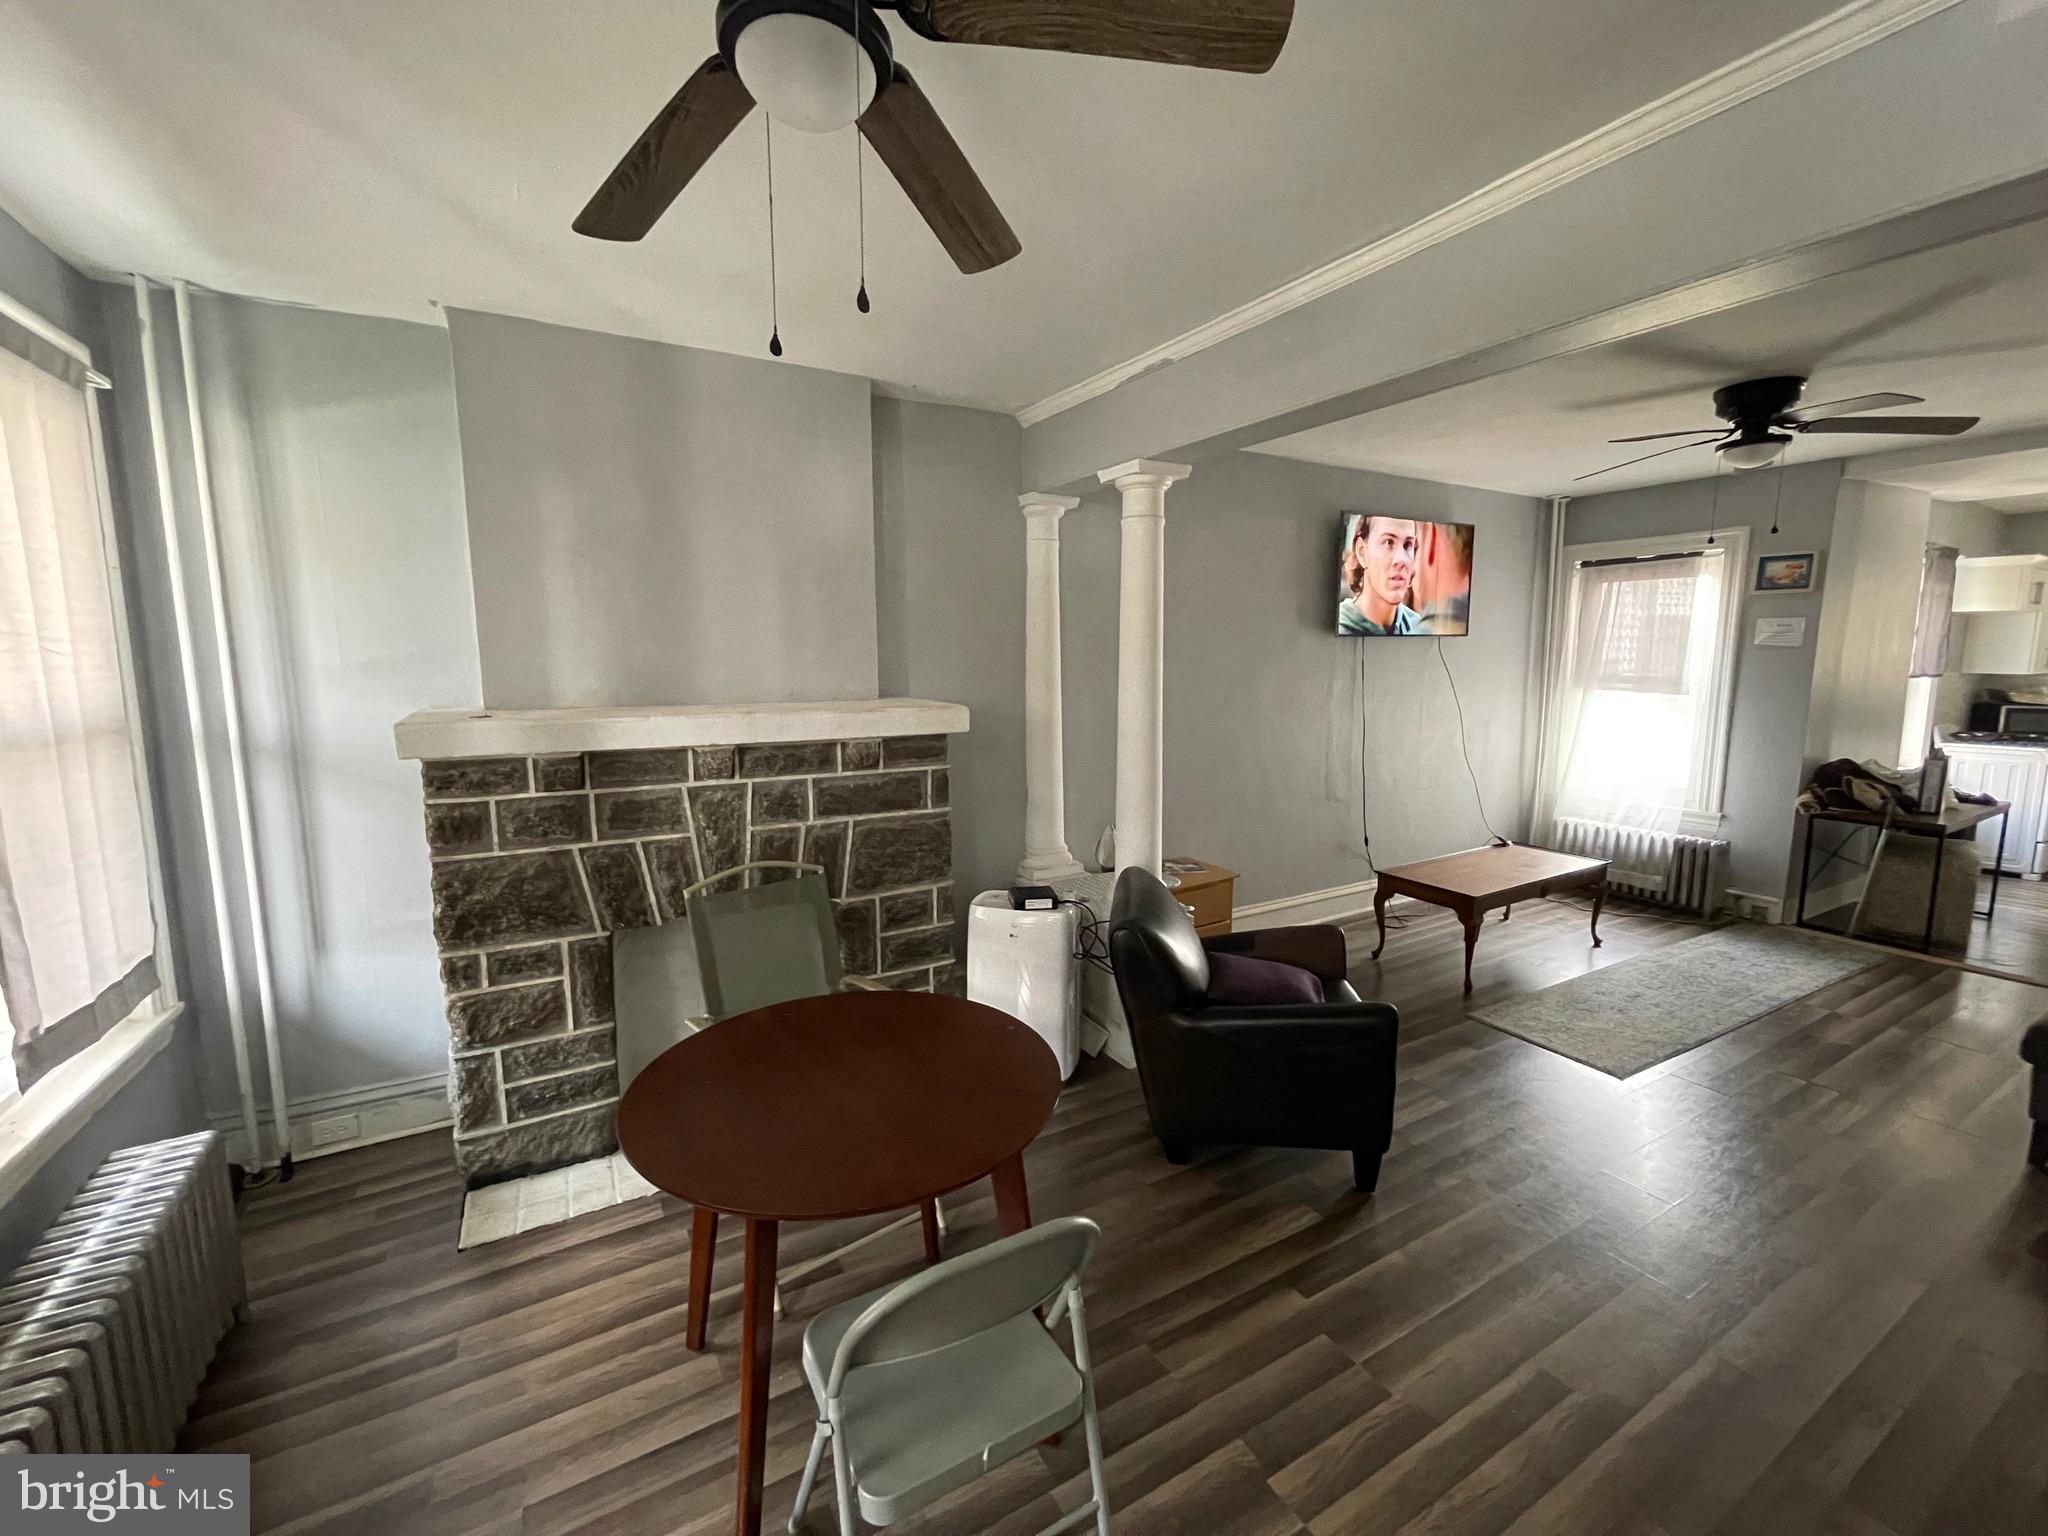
76,933
1636,711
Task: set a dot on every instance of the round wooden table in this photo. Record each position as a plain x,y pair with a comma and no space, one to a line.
845,1105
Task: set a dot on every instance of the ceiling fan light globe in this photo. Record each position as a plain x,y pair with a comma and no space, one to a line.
1757,455
800,69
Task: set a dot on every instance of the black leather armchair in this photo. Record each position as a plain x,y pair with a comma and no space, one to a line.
1289,1075
2034,1050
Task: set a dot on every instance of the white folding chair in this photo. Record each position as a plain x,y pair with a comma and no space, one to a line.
925,1385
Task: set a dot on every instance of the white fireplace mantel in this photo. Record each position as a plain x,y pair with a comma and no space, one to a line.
445,733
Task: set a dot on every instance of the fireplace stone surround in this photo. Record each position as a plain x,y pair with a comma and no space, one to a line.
550,830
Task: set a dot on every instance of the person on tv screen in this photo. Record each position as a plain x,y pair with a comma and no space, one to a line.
1380,561
1443,581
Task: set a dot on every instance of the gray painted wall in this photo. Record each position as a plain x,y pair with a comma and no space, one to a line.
1773,687
162,1100
338,487
1266,708
1973,530
33,274
159,1101
1864,653
949,611
2025,533
652,524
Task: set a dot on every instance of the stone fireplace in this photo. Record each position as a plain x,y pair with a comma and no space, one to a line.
550,830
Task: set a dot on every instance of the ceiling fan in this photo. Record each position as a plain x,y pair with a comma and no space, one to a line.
792,58
1762,415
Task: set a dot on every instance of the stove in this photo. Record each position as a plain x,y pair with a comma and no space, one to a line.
2000,738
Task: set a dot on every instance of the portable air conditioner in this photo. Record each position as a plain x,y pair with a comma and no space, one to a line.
1023,963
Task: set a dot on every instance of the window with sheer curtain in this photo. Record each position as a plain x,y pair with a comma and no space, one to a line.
1641,713
77,933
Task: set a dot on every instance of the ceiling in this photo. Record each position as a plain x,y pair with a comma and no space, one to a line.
383,156
2004,482
1965,327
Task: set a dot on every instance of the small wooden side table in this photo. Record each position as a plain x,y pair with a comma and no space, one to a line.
1208,888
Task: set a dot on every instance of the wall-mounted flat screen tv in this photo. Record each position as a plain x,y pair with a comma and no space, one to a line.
1403,576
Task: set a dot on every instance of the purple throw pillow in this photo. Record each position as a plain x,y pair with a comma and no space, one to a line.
1247,979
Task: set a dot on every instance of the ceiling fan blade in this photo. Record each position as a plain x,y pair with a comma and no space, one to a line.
921,155
1624,464
1910,313
683,135
1848,407
1242,35
1929,426
1651,437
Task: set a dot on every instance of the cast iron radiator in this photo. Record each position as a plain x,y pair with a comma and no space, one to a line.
1660,867
107,1326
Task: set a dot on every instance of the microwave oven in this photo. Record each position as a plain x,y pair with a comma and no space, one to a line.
2009,719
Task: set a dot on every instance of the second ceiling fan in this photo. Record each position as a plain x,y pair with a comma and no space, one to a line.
791,57
1762,415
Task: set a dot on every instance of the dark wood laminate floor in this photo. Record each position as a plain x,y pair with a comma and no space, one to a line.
1794,1281
2013,940
2015,937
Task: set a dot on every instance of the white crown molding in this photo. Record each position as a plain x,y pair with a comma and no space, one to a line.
1820,42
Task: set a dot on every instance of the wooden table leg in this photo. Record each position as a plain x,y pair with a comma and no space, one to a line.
1473,923
703,1242
1599,898
929,1210
758,1348
1013,1199
1379,913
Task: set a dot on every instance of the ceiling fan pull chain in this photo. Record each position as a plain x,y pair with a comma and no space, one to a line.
1778,501
860,191
774,298
1714,508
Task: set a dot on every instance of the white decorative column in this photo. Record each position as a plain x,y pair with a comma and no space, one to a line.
1046,856
1141,638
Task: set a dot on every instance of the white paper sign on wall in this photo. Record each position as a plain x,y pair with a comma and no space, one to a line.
1788,632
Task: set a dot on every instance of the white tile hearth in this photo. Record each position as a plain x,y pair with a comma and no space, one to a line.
520,1205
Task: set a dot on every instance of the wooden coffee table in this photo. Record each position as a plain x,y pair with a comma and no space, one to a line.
845,1105
1473,883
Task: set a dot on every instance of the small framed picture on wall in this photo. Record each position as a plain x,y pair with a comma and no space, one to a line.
1787,573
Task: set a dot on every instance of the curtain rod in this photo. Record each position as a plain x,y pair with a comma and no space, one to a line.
1676,554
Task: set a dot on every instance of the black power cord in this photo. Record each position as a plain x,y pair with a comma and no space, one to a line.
1465,747
1090,944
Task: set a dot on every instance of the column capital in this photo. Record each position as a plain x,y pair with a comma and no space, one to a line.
1145,472
1039,503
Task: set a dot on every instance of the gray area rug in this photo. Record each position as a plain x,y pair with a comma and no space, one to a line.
1649,1008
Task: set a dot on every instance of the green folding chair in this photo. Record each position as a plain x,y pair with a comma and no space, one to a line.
762,944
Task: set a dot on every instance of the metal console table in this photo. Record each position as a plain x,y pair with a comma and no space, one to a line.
1956,821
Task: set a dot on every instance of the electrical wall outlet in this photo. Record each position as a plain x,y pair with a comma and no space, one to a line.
335,1128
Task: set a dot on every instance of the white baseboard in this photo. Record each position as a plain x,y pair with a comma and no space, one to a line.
1741,901
384,1112
1327,906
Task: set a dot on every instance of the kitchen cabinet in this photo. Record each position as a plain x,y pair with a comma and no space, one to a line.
2006,642
2001,584
2017,774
